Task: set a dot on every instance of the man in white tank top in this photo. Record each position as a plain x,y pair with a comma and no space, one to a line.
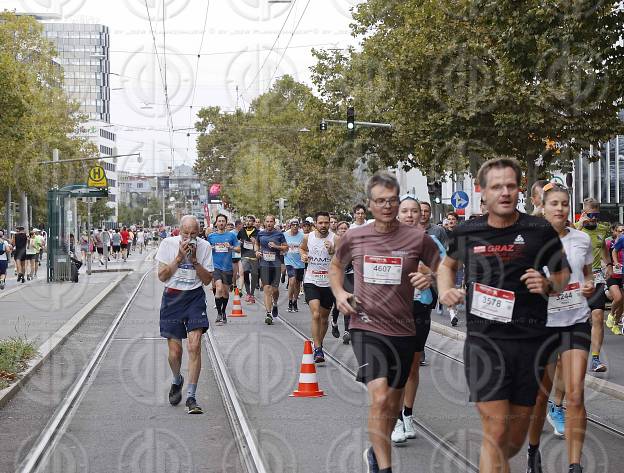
317,249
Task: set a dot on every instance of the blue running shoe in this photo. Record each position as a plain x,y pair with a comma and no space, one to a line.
597,366
556,418
370,461
319,356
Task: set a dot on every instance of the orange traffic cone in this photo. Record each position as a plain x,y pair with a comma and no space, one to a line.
237,308
308,384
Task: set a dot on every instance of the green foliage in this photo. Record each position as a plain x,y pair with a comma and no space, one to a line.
35,114
465,80
263,154
99,212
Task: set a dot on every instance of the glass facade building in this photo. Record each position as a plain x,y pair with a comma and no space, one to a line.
83,52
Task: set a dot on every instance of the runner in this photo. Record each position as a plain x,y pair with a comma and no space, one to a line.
125,243
223,244
616,247
236,256
536,197
602,268
31,256
184,265
99,245
385,256
5,251
359,215
341,229
317,249
140,240
268,245
424,302
431,229
19,243
503,254
248,236
333,223
294,266
116,243
40,244
568,315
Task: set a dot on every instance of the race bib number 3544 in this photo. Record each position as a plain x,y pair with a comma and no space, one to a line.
383,269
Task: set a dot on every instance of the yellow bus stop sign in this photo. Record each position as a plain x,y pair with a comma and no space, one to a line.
97,177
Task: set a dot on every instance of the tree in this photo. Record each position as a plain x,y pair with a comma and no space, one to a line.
275,150
100,212
35,114
466,80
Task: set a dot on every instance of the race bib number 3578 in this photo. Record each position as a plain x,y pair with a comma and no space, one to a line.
492,303
383,269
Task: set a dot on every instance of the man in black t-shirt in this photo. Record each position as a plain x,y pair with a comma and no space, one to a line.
248,236
504,254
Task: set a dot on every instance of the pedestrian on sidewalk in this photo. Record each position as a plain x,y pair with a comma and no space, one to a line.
5,251
20,240
184,265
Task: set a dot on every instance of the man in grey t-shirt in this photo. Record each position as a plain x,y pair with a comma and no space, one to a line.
430,229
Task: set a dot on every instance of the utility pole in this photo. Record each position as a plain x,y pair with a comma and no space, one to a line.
89,201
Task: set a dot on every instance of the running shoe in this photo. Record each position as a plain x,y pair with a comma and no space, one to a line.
252,299
175,393
219,319
575,468
192,407
224,320
398,433
610,320
534,463
290,306
268,319
598,366
335,331
556,418
453,315
346,337
1,285
295,308
319,356
274,311
370,461
408,426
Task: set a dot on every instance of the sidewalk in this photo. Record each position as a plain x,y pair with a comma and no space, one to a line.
612,351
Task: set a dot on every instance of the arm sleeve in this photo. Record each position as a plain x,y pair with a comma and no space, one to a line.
430,253
552,255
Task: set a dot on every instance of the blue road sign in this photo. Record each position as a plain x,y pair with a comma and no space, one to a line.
459,200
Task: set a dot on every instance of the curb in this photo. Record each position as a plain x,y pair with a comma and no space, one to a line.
119,270
50,345
592,382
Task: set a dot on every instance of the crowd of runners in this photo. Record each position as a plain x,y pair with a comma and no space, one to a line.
534,290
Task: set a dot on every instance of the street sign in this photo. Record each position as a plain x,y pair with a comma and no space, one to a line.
459,200
97,177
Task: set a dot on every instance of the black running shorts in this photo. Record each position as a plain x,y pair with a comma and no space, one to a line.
503,369
574,337
382,356
323,294
270,276
598,299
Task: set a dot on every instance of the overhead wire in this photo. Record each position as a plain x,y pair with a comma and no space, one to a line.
288,43
292,6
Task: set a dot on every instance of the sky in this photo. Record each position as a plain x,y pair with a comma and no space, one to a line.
233,39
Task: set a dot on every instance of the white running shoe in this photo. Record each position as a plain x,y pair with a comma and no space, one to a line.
398,434
408,426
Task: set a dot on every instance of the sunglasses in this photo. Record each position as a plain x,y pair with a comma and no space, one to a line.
407,197
593,215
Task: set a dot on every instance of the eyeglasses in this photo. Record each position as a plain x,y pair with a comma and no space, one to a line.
593,215
392,202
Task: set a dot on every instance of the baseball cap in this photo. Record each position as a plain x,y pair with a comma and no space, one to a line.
309,220
294,220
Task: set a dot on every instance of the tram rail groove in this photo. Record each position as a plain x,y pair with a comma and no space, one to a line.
590,418
448,449
56,426
246,443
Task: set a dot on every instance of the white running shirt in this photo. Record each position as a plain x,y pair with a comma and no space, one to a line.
185,278
318,260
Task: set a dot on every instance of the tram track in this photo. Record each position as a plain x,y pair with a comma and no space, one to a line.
448,449
57,424
590,418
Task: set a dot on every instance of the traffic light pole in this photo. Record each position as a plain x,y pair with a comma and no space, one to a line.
364,124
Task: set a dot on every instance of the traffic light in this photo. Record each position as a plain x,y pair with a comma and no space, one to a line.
350,119
434,188
323,126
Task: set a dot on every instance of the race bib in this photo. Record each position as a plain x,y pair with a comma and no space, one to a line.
248,245
383,269
569,298
186,275
492,303
319,277
293,249
618,269
221,248
268,256
599,277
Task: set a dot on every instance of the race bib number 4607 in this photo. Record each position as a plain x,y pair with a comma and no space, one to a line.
383,269
492,303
